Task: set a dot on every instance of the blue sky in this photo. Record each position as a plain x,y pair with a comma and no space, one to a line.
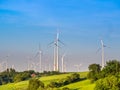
82,23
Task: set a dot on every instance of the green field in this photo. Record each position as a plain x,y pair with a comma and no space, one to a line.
82,85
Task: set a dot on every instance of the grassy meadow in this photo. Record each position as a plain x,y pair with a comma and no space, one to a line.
82,85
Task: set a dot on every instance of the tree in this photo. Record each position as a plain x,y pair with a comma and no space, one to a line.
112,67
18,78
108,83
34,84
94,70
75,77
53,84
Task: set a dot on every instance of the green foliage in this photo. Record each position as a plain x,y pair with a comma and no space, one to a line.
65,88
75,77
35,84
94,72
53,85
95,68
108,83
111,68
65,81
80,85
7,76
10,75
22,76
108,76
48,73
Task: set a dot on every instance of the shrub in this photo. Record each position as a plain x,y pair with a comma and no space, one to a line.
94,69
53,84
75,77
34,84
65,88
65,81
108,83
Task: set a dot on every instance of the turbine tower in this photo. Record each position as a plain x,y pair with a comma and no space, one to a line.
54,56
40,58
28,67
57,52
3,66
39,54
102,54
63,65
13,66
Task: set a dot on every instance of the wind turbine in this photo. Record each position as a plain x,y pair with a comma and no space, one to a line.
78,66
40,58
56,52
39,53
28,67
13,66
63,65
3,65
102,53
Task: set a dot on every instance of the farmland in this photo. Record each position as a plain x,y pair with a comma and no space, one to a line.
82,85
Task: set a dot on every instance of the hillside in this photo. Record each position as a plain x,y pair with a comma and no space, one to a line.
82,85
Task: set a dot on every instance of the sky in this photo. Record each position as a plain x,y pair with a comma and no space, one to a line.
24,24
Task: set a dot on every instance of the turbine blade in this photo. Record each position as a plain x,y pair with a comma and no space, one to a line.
98,50
57,45
106,46
57,34
39,46
36,54
61,42
50,44
102,42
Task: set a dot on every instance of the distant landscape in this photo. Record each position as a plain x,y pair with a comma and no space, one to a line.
95,79
59,44
82,85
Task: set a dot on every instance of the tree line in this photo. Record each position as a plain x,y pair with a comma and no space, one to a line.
11,75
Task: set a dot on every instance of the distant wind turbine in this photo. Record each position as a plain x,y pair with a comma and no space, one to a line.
3,65
39,53
102,46
13,66
63,65
78,66
102,53
56,52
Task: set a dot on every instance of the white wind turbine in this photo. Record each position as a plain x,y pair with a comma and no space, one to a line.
78,66
102,47
3,66
56,52
102,54
39,53
63,64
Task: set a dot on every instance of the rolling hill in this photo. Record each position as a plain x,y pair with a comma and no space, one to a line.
81,85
